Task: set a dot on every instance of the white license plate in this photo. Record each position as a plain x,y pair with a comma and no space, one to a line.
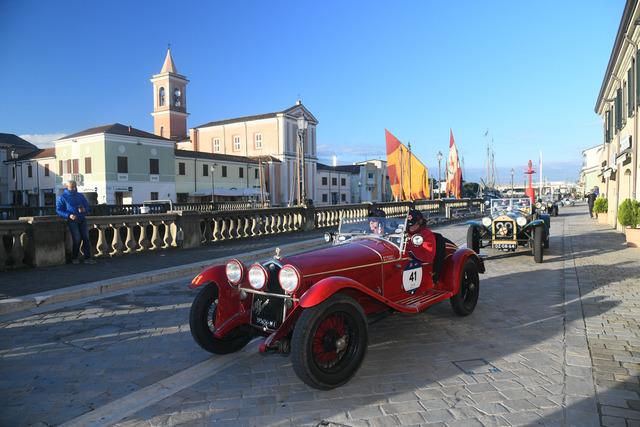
504,245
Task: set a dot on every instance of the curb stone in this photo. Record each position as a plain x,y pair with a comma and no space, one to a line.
576,388
70,293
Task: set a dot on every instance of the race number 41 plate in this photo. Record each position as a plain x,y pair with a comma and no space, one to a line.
412,276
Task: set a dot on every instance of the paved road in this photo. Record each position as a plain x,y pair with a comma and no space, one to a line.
542,340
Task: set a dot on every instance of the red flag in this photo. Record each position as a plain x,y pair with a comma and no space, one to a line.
454,172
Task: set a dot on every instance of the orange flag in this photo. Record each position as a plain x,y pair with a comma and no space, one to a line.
408,176
454,172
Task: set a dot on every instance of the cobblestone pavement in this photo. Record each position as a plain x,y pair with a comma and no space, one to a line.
612,317
542,339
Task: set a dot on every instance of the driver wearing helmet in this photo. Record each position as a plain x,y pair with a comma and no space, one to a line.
376,221
416,225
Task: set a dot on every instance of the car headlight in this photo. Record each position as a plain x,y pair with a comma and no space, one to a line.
234,271
327,237
521,221
538,205
417,240
486,221
257,276
289,279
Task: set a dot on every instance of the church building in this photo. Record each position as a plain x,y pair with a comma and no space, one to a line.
271,138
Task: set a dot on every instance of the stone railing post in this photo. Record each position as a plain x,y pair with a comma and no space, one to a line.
308,218
46,240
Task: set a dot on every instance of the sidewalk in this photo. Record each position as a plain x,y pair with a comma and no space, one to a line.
608,274
27,281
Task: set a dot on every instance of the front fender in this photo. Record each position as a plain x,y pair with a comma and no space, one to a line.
475,223
231,311
454,264
534,223
327,287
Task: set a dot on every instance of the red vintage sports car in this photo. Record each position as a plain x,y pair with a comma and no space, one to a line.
316,305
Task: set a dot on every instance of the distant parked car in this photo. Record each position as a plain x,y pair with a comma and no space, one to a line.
511,223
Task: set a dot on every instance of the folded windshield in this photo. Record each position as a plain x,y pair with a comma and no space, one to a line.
374,226
502,206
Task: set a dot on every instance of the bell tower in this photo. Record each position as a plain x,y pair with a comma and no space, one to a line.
170,101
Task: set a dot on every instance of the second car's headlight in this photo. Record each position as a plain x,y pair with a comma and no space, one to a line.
486,221
417,240
289,279
538,205
521,221
257,276
234,271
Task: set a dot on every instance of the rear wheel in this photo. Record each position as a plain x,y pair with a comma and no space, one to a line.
538,244
202,323
329,342
546,240
473,239
464,302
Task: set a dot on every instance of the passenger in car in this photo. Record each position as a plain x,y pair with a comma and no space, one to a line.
376,221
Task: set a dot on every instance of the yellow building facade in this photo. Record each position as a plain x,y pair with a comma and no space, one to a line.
618,104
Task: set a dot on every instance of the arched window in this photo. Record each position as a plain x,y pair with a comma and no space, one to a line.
161,97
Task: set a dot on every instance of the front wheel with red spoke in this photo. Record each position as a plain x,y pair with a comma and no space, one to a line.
329,342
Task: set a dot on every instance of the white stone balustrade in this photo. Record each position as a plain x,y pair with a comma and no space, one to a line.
45,240
13,244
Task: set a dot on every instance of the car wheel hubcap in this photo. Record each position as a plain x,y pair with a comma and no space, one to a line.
331,341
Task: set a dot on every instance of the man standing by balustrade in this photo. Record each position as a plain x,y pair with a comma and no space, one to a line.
73,207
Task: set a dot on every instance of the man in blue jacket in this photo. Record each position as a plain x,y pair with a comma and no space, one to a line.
73,207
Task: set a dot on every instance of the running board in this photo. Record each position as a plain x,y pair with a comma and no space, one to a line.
419,302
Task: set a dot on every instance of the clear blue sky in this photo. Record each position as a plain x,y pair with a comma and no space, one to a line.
529,72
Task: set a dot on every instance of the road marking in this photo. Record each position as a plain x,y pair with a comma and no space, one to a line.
121,408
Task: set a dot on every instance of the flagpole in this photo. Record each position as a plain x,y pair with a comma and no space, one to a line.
540,191
410,193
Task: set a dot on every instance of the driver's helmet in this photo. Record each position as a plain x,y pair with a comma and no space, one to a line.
414,217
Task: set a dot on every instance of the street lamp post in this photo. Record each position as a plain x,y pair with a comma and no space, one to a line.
439,157
360,190
14,156
213,171
512,173
302,128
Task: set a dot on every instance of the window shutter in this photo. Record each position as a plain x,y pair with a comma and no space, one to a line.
637,87
630,91
618,109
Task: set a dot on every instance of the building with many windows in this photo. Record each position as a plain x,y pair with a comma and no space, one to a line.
11,145
373,183
271,136
617,104
118,164
334,184
206,177
591,171
35,178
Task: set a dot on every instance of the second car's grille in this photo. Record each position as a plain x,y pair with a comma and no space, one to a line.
268,311
503,230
